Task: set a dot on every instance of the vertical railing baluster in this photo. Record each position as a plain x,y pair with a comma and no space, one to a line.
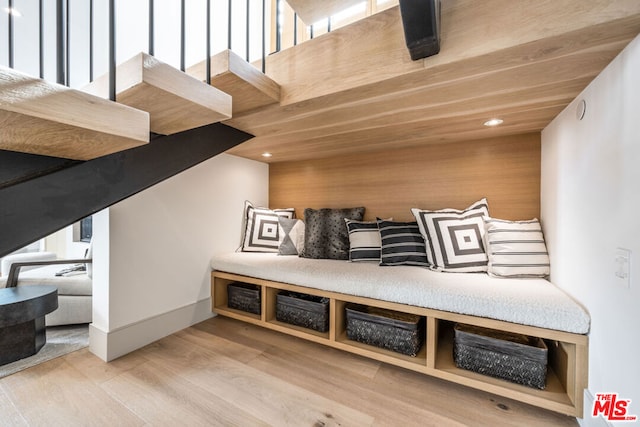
41,38
151,27
182,35
328,24
311,32
295,29
229,26
247,25
278,36
10,28
264,30
60,42
112,50
67,45
207,69
90,40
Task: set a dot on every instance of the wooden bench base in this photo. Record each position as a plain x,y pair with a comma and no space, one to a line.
567,370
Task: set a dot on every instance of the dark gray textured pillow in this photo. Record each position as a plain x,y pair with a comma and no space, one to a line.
326,235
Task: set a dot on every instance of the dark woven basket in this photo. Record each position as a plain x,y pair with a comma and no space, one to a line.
391,330
513,357
308,311
245,297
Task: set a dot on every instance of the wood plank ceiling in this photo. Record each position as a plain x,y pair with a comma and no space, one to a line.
356,88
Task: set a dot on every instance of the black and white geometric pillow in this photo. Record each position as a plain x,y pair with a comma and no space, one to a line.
261,233
516,248
364,240
292,233
402,244
455,239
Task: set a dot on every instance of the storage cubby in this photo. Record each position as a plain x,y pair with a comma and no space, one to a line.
567,361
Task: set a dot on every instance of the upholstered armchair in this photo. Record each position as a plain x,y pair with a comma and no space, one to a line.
42,268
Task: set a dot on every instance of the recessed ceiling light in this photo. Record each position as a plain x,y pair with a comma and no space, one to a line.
493,122
12,11
267,154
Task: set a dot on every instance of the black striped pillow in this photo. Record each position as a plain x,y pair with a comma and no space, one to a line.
402,244
364,240
516,248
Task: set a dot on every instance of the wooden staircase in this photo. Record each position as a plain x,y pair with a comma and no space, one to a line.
175,101
39,117
43,118
113,139
249,88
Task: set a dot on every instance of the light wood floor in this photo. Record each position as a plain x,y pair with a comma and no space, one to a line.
224,372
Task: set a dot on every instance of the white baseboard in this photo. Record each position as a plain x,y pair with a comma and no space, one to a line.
109,345
588,420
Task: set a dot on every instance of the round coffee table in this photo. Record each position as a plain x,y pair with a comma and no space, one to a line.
22,326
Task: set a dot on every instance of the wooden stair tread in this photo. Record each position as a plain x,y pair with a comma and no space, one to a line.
48,119
311,11
248,86
175,101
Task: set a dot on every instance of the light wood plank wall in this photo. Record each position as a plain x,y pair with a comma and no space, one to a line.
505,170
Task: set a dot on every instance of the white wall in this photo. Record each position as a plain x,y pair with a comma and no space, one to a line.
590,206
152,251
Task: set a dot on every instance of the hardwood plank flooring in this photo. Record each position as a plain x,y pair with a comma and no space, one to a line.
225,372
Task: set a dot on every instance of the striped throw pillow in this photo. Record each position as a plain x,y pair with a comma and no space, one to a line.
455,239
402,244
516,248
364,240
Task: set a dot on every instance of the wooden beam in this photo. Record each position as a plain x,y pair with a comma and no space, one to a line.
39,117
176,102
248,87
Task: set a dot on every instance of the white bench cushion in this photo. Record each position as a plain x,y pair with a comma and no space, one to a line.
533,302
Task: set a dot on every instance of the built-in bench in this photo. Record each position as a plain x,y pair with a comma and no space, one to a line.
533,307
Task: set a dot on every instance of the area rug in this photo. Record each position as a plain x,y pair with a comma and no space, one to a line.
61,340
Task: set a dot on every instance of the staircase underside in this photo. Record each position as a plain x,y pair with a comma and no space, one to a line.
248,86
356,89
43,118
175,101
41,204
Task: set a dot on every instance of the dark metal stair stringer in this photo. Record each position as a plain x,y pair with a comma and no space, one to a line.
35,208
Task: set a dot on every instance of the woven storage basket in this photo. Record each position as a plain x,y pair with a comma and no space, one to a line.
513,357
245,297
392,330
308,311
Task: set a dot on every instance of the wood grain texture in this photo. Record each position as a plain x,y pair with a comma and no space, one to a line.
387,183
43,118
311,11
225,372
175,101
341,95
248,87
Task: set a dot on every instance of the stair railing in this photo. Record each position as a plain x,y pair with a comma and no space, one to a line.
66,17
